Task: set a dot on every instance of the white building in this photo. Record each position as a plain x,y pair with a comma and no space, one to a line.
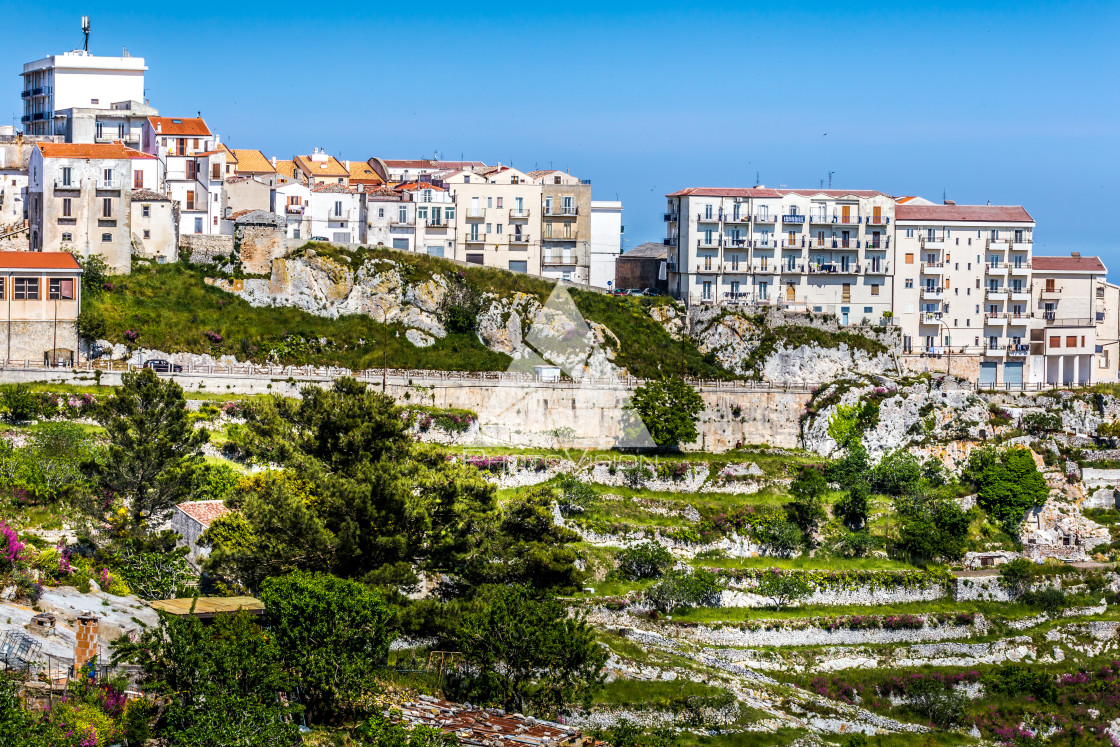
434,217
335,213
76,80
193,169
290,198
606,240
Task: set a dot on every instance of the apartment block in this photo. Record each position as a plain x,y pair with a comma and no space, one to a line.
606,242
79,198
76,87
192,169
565,226
827,251
497,225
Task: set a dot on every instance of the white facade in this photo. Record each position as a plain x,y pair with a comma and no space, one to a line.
335,214
606,241
290,199
193,169
77,80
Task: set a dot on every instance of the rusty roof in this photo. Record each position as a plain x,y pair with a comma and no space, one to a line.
208,606
489,726
204,512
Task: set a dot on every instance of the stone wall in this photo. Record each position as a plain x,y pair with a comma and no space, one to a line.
17,242
30,341
258,246
964,366
202,248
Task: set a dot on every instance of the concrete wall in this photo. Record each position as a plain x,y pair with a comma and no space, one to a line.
155,236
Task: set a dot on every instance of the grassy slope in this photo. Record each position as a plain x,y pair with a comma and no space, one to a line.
173,309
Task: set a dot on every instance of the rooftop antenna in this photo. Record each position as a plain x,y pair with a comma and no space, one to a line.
85,31
944,195
830,179
757,179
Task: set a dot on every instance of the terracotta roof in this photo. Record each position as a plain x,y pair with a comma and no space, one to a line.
1067,264
329,167
238,214
38,261
726,192
113,150
230,156
204,512
489,726
832,192
341,189
253,162
490,170
361,172
427,163
539,174
208,606
413,186
978,213
178,127
387,193
286,168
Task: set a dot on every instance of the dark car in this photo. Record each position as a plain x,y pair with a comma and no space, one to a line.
161,366
651,292
321,238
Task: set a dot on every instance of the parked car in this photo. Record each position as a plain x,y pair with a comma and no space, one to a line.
633,292
651,292
320,238
161,366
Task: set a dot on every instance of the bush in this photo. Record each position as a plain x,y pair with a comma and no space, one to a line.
681,589
1016,576
646,560
1050,600
784,587
1007,483
1018,680
782,538
935,701
1039,423
575,495
897,473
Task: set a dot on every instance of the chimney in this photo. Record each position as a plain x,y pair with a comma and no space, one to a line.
159,127
274,162
1075,254
86,648
950,202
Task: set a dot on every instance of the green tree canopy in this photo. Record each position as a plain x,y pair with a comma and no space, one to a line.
332,634
931,528
1007,482
523,650
153,449
670,409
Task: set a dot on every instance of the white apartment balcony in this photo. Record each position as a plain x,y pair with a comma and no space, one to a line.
793,218
715,217
769,268
995,318
475,238
765,218
741,242
294,209
736,268
937,241
708,268
997,244
670,241
931,317
737,218
933,292
996,294
1020,268
515,214
434,224
1020,294
933,268
878,220
561,210
476,213
1018,349
519,238
1021,245
877,268
1051,293
834,268
671,217
705,243
793,268
396,221
113,184
995,268
994,349
1018,319
73,185
801,244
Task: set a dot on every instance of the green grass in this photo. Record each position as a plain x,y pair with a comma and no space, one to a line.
173,309
653,693
731,615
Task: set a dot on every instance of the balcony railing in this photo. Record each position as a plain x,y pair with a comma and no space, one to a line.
930,291
705,268
767,269
475,213
519,238
878,220
1053,320
108,184
73,184
933,267
738,242
1051,292
932,317
715,217
295,209
561,210
670,217
475,238
516,214
712,243
833,268
761,218
793,218
996,294
670,241
737,218
1018,349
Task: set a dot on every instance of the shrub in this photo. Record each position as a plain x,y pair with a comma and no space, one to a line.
1039,423
935,701
681,589
1017,680
575,495
1016,576
784,587
1050,600
645,560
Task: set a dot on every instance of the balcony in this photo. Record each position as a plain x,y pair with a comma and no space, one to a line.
933,268
877,268
737,242
519,238
737,218
294,209
931,317
476,213
1051,292
73,185
712,243
113,184
1018,349
515,214
736,267
820,218
736,297
847,220
933,292
1053,320
671,266
568,258
765,218
708,268
671,241
1017,318
713,218
878,220
1020,294
995,268
936,241
993,349
787,244
793,218
438,225
994,318
475,238
1022,268
996,294
833,268
793,268
398,222
766,269
670,217
561,210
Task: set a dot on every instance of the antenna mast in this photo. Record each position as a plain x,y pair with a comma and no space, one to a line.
85,31
830,179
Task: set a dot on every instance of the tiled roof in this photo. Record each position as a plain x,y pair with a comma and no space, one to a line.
341,189
286,168
489,726
231,157
1067,264
238,214
253,162
977,213
385,193
491,170
176,126
112,150
427,163
726,192
38,261
204,512
328,167
539,174
832,192
147,195
648,250
413,186
361,172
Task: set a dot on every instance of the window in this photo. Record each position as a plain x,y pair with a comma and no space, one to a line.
489,228
499,229
909,282
66,175
215,196
66,207
137,180
1055,342
518,265
190,199
146,211
107,177
909,258
95,101
380,212
402,214
61,289
449,213
198,225
106,237
106,207
65,237
489,202
196,143
338,208
909,233
499,205
147,234
26,289
1071,341
422,212
1049,285
874,289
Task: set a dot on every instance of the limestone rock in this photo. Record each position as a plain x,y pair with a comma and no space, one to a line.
418,338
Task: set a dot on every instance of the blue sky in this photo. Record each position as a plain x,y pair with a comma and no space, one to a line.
1012,103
